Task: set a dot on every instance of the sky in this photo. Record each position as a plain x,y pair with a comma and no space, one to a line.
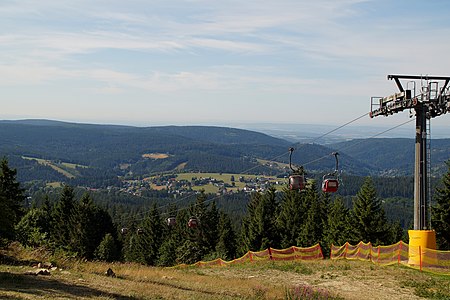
197,62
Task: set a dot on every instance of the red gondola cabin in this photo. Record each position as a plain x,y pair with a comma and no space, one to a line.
330,185
172,221
193,223
296,182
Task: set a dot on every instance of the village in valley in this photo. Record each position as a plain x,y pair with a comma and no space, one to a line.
215,183
218,183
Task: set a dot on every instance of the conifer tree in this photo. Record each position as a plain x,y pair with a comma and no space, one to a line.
149,239
131,249
188,240
337,230
11,200
312,230
197,241
395,233
210,227
167,252
249,231
90,225
226,246
107,249
62,218
293,211
440,218
369,220
81,232
260,225
192,246
268,212
189,252
180,231
172,237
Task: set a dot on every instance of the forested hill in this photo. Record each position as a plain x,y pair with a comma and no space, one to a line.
108,151
101,153
395,156
46,133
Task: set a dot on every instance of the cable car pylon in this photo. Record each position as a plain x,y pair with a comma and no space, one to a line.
432,100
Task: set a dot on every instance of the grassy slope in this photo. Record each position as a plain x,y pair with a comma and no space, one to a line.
66,169
263,280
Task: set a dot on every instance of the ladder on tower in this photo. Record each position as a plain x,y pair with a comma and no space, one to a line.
428,146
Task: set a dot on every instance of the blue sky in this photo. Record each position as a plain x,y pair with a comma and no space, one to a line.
215,62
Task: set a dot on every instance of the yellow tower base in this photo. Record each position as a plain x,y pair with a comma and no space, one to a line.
419,240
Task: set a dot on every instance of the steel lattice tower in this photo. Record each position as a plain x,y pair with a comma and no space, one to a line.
430,101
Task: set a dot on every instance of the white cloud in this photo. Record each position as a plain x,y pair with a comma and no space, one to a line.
325,50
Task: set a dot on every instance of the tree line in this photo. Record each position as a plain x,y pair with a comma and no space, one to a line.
80,227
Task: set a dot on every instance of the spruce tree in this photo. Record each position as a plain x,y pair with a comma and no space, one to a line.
63,218
107,249
191,247
81,230
226,246
210,227
90,225
293,211
312,230
172,236
337,230
181,230
189,252
440,213
167,252
369,220
11,200
259,229
250,235
185,241
131,249
396,232
198,240
149,239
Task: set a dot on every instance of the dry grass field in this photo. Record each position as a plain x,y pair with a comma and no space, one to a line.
155,155
74,279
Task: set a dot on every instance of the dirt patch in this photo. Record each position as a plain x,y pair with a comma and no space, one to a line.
350,280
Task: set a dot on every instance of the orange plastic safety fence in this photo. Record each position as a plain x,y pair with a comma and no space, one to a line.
392,254
430,260
291,253
400,253
296,253
261,255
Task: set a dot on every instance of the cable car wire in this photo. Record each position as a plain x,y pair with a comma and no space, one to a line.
378,134
247,170
360,142
337,128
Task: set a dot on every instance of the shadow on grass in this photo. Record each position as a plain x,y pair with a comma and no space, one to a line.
48,288
12,261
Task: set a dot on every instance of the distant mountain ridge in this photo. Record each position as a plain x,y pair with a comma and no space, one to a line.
114,150
395,156
107,149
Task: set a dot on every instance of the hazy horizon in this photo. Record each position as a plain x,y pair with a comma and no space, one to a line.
302,132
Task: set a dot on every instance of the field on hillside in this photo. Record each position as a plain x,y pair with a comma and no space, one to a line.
69,170
262,280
